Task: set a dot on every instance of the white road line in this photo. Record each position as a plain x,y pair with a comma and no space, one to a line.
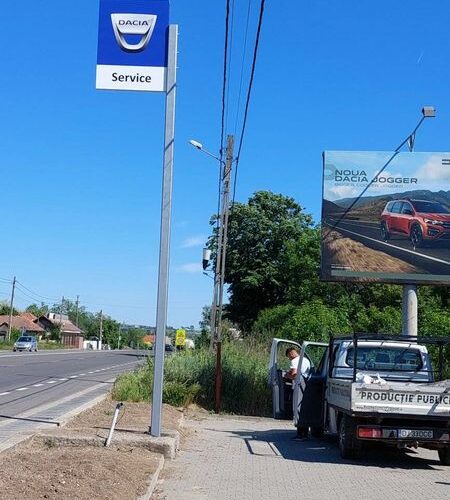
51,382
22,389
37,385
90,373
82,374
63,379
5,393
397,248
74,376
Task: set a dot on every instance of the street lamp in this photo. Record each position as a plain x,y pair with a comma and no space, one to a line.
199,146
219,272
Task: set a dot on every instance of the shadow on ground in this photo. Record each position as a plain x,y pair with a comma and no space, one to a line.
284,444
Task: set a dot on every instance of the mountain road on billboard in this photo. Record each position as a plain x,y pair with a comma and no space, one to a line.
387,224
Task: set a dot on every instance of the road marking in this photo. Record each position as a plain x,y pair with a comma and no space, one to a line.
90,372
37,385
82,374
51,382
22,388
5,393
74,376
393,246
63,379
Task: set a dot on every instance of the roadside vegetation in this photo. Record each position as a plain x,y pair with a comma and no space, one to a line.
189,378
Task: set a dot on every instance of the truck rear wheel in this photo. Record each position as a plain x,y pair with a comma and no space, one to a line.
349,445
302,432
444,455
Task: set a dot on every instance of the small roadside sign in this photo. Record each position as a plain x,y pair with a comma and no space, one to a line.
132,45
180,338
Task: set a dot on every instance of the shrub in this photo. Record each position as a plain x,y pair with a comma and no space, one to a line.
190,378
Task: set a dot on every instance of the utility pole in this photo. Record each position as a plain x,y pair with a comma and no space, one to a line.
61,309
77,305
101,329
11,307
219,277
119,339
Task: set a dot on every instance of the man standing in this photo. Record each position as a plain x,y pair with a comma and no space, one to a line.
293,355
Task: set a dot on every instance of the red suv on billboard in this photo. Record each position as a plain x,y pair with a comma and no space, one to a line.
419,220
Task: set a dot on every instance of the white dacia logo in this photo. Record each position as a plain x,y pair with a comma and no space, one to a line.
141,25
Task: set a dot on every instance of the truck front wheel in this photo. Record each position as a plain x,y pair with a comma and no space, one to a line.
349,445
444,455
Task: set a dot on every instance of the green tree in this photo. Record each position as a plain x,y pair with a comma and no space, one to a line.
260,234
4,309
38,310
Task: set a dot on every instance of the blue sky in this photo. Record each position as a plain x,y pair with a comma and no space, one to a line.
82,168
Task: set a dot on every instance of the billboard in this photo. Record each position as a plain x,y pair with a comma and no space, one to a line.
386,217
132,45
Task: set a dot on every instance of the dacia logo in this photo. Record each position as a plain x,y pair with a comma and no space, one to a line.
136,25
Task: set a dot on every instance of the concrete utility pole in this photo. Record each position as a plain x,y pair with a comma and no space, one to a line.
11,307
77,304
101,329
219,277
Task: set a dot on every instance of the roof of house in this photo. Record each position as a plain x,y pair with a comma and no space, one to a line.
66,325
25,321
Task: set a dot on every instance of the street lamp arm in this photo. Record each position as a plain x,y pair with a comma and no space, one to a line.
199,146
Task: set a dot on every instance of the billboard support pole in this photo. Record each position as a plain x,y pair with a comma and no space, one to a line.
409,311
166,211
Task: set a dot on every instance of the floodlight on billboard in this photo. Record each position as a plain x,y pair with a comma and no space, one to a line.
386,217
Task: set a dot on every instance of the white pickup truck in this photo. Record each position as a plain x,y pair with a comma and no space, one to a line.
368,388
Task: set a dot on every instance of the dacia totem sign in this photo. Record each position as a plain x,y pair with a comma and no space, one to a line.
132,45
386,217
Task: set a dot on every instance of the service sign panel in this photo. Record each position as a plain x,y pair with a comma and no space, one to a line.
132,45
386,217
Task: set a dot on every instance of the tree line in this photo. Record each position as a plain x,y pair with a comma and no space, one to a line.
272,273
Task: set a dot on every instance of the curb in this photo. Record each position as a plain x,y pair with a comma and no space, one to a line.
153,481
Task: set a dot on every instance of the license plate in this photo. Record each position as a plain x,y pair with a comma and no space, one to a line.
415,434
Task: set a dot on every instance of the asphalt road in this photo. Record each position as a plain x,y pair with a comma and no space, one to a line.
434,258
31,382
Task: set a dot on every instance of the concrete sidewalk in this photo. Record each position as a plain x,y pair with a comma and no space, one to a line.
255,458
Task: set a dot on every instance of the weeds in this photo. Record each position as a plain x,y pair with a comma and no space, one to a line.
189,378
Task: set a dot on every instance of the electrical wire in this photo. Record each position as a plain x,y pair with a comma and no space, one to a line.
244,50
18,283
224,86
249,93
230,58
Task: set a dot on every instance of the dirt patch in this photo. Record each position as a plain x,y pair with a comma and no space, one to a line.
35,469
341,250
134,417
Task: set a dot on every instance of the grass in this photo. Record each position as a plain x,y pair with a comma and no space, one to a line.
189,378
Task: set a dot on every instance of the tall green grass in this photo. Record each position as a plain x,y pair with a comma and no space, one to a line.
189,378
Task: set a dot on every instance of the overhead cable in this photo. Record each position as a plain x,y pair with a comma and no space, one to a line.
249,93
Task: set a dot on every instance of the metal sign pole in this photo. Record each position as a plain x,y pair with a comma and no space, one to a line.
166,210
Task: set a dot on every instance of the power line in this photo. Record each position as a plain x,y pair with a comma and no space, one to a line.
230,51
249,92
225,66
244,50
37,295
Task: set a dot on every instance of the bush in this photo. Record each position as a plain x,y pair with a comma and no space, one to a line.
190,378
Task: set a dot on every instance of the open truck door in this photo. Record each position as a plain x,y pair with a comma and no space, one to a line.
309,389
281,389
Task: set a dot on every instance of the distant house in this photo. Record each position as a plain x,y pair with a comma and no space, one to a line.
71,335
26,323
